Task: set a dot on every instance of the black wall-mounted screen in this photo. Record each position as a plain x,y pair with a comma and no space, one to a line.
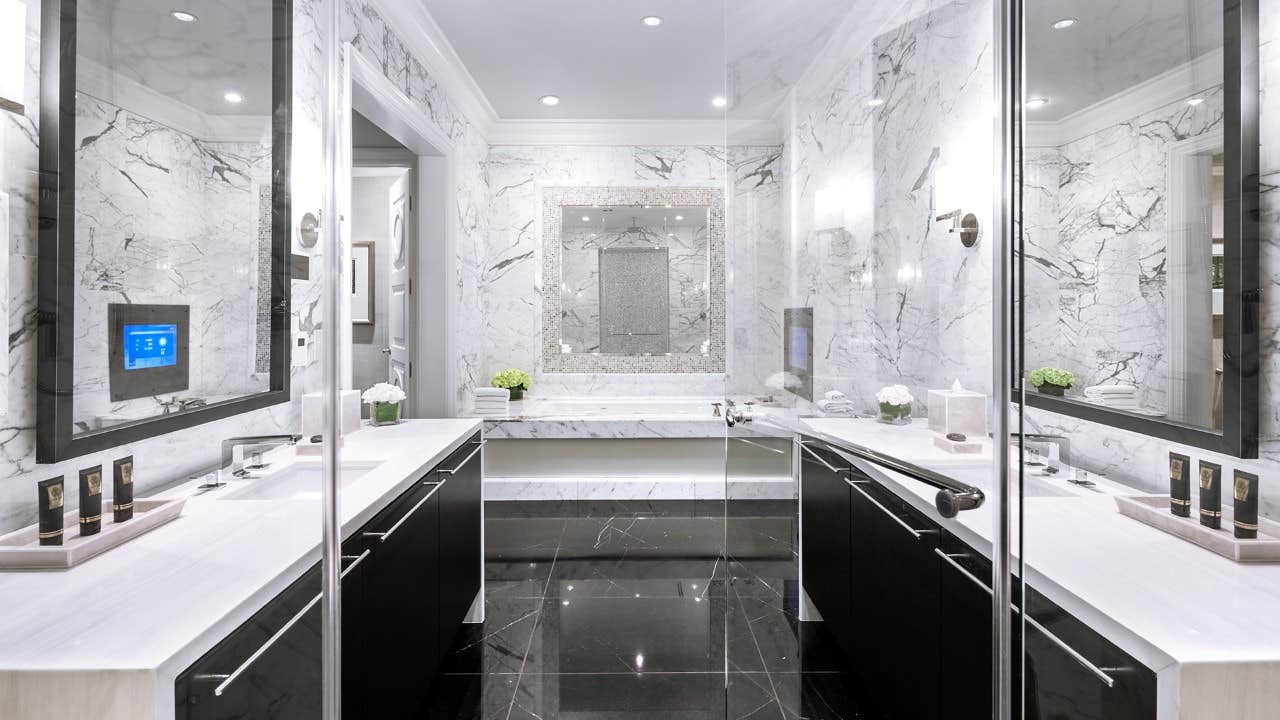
148,349
797,350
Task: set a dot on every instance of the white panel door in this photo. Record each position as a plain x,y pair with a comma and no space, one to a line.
400,321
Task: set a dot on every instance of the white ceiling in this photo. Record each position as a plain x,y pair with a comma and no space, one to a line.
1114,46
227,48
606,65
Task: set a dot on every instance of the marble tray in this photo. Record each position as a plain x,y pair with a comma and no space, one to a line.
1154,511
21,549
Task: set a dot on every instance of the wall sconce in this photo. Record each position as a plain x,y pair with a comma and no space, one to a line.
13,50
949,192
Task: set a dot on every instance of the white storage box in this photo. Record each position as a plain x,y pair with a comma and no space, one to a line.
958,411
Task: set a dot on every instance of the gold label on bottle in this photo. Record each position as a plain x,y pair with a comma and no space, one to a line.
1206,478
55,496
126,473
94,481
1175,469
1242,489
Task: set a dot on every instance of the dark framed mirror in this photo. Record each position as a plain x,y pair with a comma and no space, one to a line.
164,216
1139,251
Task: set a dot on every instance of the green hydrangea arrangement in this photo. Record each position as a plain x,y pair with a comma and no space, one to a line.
1052,378
513,380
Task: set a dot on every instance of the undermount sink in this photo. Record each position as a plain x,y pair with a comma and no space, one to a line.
298,481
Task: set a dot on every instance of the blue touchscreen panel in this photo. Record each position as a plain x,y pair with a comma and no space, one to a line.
798,348
150,346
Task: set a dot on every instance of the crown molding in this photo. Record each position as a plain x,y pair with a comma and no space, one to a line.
416,28
1168,87
633,132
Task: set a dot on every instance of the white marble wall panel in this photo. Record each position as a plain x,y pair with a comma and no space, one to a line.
756,255
1098,249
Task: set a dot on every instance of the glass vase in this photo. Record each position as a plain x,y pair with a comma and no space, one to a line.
895,414
385,413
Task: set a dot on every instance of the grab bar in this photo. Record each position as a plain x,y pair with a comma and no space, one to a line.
384,536
819,458
1082,660
466,460
914,532
953,496
280,633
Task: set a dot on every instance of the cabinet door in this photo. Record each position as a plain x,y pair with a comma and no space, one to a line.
965,636
824,508
461,510
894,588
400,605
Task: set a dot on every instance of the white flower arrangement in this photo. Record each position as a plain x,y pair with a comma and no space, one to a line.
383,393
896,395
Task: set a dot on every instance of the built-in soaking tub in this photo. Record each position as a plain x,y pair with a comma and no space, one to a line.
607,448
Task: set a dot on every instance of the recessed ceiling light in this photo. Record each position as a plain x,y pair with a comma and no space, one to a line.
233,97
1195,101
550,100
875,102
586,218
679,218
183,16
719,101
651,20
1036,103
1064,23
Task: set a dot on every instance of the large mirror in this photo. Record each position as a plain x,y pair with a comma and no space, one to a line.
164,217
633,280
1140,249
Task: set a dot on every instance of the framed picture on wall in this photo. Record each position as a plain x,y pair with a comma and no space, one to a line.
362,283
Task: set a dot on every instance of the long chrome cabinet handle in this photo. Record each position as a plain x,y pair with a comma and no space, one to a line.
759,445
384,536
917,534
466,460
819,458
279,633
1082,660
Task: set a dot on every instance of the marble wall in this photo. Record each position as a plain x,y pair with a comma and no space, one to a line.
166,218
1097,246
898,94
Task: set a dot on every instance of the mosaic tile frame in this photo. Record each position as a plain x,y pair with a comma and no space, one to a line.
556,198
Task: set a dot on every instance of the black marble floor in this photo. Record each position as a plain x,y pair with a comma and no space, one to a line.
629,610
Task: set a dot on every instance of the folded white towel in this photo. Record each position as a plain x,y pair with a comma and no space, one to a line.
835,395
835,406
491,392
1110,390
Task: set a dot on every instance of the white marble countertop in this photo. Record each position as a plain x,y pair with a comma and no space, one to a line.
114,632
607,417
1208,626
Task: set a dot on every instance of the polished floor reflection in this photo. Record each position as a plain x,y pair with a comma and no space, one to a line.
627,610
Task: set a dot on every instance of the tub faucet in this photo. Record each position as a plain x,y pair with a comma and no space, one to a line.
230,444
733,416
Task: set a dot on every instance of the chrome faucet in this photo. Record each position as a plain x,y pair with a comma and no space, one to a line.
229,451
1057,447
733,416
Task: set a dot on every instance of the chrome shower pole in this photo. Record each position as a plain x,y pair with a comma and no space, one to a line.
330,359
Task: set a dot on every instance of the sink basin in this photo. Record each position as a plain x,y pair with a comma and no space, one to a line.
298,481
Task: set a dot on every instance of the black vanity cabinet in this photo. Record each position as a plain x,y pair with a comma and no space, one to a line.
824,504
405,576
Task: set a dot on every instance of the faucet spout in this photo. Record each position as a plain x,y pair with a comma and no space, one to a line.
230,444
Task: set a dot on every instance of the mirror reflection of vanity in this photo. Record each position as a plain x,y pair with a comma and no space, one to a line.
1140,251
164,219
633,280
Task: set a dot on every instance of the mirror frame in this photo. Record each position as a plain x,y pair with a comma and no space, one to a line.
1242,293
56,282
554,200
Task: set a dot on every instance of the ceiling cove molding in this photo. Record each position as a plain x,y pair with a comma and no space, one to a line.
1168,87
427,42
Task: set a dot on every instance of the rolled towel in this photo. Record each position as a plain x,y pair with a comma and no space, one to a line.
835,395
1111,390
491,392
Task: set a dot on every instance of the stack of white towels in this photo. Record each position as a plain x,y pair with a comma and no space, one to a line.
836,403
1120,397
491,402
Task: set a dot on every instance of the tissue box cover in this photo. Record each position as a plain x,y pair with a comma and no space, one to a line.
962,411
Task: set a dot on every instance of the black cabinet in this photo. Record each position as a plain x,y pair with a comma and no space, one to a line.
964,640
409,576
460,531
824,507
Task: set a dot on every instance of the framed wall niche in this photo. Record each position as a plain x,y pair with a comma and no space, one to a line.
157,191
1140,245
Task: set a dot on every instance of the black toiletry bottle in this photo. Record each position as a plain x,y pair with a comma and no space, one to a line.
50,503
1180,485
1210,494
122,487
91,500
1246,505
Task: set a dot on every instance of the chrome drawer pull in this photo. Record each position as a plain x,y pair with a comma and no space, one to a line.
1082,660
819,458
463,464
914,532
278,634
384,536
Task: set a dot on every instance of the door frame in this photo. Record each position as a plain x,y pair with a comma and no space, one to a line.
366,90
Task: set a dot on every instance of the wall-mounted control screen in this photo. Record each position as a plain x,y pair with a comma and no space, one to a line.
797,351
148,349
